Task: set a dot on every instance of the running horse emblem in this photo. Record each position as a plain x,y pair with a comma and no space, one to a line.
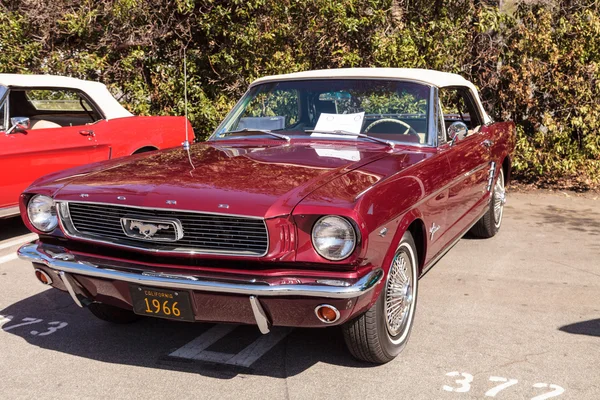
148,230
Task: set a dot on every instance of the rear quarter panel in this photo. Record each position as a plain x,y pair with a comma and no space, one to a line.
127,135
504,137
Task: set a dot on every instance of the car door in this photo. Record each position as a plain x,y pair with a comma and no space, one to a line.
51,144
469,160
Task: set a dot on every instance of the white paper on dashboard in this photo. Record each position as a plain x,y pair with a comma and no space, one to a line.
339,122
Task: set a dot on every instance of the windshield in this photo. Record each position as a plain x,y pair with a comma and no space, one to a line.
385,109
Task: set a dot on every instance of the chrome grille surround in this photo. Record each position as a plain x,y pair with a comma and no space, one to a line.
203,233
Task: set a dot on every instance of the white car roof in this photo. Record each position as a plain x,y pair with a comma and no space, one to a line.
428,76
95,90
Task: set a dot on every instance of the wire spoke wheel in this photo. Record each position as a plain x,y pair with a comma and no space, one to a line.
399,294
499,199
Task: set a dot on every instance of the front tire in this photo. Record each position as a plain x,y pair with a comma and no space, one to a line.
381,333
489,225
113,314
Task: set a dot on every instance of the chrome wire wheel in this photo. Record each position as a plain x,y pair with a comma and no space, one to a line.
399,294
499,199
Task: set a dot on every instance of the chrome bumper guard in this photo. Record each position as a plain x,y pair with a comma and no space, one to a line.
66,263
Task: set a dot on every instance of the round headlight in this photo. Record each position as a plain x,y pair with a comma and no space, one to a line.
333,237
42,213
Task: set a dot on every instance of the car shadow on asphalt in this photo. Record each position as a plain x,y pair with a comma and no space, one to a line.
11,227
589,328
150,341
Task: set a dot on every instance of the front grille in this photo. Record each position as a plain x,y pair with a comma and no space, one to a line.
202,233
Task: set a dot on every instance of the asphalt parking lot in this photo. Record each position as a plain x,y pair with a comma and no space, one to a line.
513,317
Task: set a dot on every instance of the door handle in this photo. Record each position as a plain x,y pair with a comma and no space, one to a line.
87,133
487,143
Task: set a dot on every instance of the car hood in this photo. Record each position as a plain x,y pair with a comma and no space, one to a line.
254,180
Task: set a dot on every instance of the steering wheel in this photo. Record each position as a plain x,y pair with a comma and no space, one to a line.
409,129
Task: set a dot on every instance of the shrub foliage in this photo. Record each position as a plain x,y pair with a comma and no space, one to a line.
536,63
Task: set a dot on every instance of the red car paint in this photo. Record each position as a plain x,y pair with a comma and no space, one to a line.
291,186
26,156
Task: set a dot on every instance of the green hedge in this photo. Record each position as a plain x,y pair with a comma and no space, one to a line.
535,62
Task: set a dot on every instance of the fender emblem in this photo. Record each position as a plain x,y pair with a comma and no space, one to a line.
434,228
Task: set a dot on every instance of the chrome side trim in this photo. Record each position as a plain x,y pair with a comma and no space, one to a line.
38,252
442,253
491,174
260,315
9,212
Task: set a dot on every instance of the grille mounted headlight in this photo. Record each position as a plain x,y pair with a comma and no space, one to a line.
42,213
333,237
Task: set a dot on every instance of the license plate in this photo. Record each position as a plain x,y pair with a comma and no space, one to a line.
162,303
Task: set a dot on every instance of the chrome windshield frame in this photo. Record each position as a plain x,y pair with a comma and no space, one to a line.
431,110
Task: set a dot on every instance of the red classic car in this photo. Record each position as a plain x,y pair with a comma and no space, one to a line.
320,200
50,123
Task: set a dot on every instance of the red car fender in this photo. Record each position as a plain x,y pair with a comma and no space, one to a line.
367,301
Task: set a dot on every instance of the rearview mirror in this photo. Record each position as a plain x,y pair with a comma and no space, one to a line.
457,131
19,124
334,96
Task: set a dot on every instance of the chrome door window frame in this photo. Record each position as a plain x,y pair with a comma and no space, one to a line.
4,102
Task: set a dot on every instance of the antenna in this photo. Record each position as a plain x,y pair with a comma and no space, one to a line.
186,144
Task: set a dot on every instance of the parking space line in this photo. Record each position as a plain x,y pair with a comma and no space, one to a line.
10,257
17,241
259,347
214,356
196,349
203,341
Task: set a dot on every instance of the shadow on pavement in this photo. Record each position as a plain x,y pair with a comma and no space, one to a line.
11,227
148,342
590,328
585,221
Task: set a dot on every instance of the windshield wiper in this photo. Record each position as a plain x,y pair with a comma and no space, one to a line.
265,131
348,133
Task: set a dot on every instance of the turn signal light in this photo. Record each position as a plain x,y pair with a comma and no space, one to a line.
327,313
43,277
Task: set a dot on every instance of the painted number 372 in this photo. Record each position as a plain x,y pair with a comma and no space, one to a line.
462,384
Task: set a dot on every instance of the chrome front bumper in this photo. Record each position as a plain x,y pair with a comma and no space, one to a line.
66,263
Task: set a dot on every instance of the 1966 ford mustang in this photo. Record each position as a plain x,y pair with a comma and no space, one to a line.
320,200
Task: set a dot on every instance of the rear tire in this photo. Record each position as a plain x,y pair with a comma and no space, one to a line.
381,333
113,314
489,225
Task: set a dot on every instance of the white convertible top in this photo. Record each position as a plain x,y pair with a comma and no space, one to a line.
95,90
428,76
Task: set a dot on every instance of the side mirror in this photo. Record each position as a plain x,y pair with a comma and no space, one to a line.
457,131
19,124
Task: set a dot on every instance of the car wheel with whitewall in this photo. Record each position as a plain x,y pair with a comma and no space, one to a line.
381,333
490,223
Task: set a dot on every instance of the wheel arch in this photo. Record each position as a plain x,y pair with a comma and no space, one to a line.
145,149
412,222
506,168
418,232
